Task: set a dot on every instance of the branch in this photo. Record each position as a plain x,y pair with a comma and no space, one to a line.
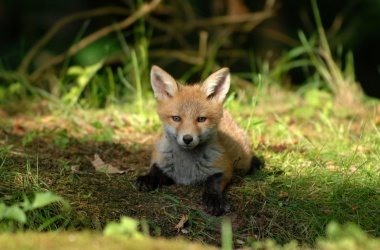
178,31
142,11
219,20
23,68
185,56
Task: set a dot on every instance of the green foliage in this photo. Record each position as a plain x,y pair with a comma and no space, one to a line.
315,101
25,202
28,138
96,52
347,236
102,133
17,215
42,200
98,86
13,212
83,75
61,139
322,163
4,150
227,235
126,228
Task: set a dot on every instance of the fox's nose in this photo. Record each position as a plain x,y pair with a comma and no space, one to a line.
187,139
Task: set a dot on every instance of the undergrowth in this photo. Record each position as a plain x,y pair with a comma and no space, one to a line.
27,203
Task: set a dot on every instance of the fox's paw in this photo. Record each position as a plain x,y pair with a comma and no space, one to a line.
214,204
146,183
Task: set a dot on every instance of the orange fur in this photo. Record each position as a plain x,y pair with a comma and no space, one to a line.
201,142
190,102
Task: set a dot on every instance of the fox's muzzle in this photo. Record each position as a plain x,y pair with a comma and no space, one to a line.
187,139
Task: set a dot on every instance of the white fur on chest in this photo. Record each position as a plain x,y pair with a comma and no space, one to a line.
188,166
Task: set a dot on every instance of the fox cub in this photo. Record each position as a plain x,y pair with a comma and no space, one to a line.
201,142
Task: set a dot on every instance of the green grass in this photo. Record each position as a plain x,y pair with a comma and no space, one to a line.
321,147
320,168
27,203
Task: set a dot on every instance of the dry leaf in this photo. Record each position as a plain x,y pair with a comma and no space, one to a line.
18,128
240,242
100,166
75,168
182,222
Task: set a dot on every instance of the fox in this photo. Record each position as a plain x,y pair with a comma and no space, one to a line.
201,143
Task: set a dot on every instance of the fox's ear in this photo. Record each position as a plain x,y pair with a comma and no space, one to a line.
164,86
216,86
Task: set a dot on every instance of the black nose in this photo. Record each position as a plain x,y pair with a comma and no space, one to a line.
187,139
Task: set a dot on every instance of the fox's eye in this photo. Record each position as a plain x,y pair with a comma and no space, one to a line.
176,118
201,119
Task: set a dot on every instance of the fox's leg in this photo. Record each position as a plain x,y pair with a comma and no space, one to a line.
156,177
213,199
256,164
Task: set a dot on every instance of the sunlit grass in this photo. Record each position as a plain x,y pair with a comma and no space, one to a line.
319,168
325,168
320,143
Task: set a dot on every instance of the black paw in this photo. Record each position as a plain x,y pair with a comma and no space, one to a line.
146,183
214,204
256,164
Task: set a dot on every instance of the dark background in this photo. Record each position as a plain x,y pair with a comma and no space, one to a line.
23,22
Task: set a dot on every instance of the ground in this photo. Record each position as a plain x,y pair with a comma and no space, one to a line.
56,150
65,167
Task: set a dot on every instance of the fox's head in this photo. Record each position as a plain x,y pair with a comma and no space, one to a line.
190,114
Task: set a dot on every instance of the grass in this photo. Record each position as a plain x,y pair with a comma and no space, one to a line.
27,203
321,151
319,169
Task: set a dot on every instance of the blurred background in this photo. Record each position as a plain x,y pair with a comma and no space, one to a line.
182,35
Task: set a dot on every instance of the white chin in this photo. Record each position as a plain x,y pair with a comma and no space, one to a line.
188,146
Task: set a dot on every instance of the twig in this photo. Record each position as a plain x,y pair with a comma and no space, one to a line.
185,56
179,55
142,11
276,35
250,20
227,25
220,20
61,23
171,32
203,36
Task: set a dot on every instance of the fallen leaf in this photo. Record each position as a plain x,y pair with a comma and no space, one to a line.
361,148
283,194
182,222
240,242
354,208
3,114
75,168
377,120
47,119
18,128
100,166
267,155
